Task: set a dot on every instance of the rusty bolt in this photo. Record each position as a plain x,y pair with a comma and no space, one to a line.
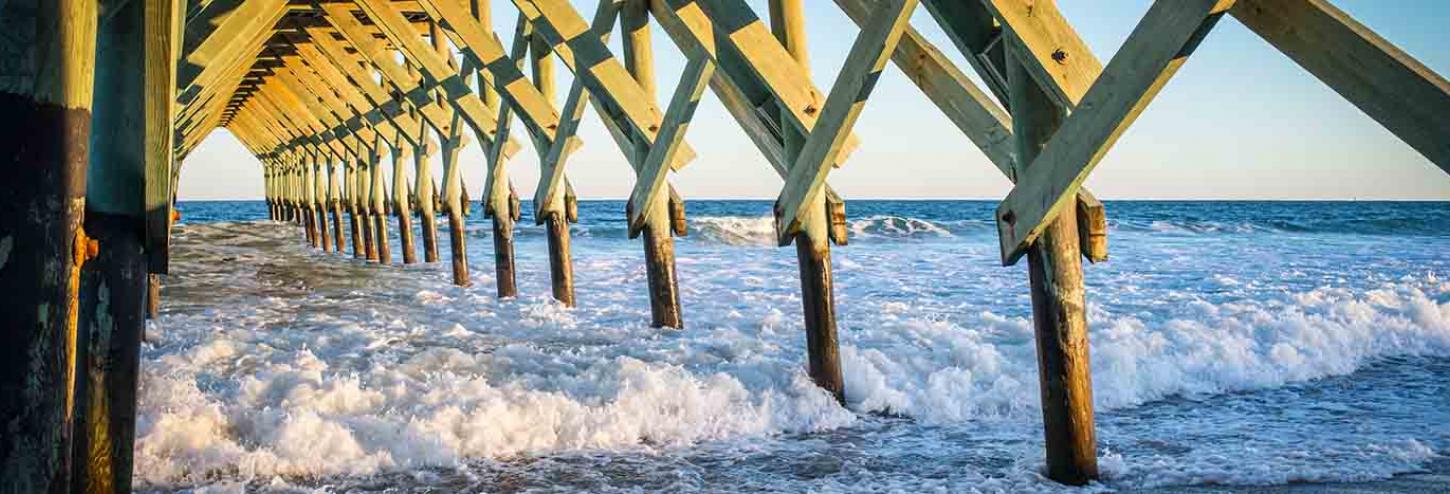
1059,56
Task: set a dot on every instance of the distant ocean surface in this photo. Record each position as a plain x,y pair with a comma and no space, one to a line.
1233,343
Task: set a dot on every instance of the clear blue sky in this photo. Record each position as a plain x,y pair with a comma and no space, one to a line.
1239,121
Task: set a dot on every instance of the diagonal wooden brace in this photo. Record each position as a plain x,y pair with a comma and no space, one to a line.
1158,46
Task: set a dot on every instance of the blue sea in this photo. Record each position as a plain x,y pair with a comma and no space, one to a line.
1234,344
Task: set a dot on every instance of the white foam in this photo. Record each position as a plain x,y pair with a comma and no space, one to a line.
418,375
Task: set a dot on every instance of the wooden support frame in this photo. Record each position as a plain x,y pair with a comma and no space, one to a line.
868,56
1154,51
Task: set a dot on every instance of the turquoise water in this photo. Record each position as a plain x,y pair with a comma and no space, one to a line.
1236,343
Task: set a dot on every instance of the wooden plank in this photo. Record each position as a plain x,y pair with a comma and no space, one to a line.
864,63
1383,81
1158,46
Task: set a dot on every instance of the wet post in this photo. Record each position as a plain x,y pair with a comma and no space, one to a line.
555,215
423,192
349,179
129,146
813,243
319,201
453,205
153,297
499,201
305,196
44,147
334,204
659,243
1058,317
379,209
401,208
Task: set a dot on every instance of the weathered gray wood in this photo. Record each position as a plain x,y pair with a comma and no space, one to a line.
1058,307
1151,55
1386,83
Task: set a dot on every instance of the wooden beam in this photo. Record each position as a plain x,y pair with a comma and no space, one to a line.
651,177
1383,81
1161,43
827,140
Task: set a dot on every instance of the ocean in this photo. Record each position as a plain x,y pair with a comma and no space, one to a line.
1233,344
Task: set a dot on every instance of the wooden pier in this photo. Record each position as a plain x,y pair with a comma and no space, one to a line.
104,99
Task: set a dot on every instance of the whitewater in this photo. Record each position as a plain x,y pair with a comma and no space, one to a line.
1232,343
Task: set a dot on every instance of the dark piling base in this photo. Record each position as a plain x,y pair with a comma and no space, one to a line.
664,292
153,297
405,238
43,151
380,237
819,302
561,262
459,253
370,243
339,243
114,289
429,222
503,255
1060,323
324,238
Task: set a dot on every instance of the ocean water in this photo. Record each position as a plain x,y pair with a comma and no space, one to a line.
1233,343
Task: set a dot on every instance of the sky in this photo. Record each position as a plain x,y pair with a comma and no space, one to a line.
1239,121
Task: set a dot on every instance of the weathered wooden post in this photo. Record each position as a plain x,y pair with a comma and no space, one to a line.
130,145
423,191
380,216
44,143
1058,307
365,208
813,243
153,296
453,204
305,192
499,198
555,217
319,200
401,208
659,245
334,203
349,180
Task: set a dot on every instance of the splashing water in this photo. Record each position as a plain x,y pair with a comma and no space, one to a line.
1262,355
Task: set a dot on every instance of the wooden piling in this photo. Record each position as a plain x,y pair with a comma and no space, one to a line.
401,208
153,296
114,288
453,206
365,209
423,191
349,179
1058,307
813,244
379,210
659,244
555,217
319,202
44,140
334,204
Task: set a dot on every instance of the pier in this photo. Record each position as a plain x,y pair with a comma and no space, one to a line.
345,103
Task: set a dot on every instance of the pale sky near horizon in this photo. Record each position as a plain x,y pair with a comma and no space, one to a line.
1239,121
